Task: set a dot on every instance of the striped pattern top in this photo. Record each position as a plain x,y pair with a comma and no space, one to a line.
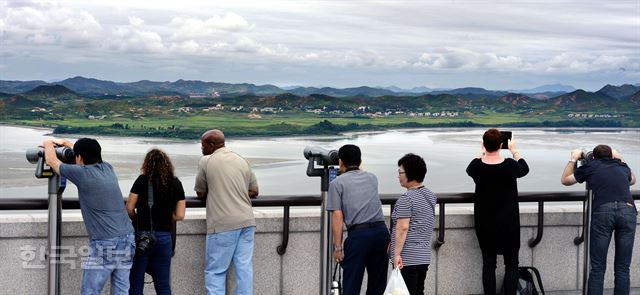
419,206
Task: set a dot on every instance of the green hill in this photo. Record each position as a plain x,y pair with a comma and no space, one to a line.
57,91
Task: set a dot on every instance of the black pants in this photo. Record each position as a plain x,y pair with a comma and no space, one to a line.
489,270
414,276
365,249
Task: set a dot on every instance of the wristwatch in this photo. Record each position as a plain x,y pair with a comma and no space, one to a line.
573,161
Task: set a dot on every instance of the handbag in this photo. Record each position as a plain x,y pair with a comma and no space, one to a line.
526,285
336,285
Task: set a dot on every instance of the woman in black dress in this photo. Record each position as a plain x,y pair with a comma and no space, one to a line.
496,212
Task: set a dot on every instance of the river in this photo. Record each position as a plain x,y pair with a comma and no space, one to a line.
280,166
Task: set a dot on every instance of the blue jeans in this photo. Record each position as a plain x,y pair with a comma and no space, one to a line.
108,258
156,262
365,248
619,219
223,248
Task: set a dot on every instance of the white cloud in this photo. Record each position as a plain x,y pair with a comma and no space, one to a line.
215,26
587,63
186,47
136,40
559,39
49,23
463,59
246,45
135,21
565,63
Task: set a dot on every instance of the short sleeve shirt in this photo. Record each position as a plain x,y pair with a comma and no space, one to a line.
227,178
419,206
355,193
165,199
608,179
101,201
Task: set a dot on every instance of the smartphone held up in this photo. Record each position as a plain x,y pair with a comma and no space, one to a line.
506,136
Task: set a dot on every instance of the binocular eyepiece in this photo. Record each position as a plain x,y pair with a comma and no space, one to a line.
65,154
321,155
586,157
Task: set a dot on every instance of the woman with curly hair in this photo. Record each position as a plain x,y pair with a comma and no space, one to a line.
153,220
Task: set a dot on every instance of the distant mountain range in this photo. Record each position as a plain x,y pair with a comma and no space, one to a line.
94,87
194,88
547,88
57,105
608,96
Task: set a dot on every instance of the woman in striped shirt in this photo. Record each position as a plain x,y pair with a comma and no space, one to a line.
413,219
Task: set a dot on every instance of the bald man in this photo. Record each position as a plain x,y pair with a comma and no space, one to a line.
226,182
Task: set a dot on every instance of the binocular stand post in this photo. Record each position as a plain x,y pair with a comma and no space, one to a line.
56,187
326,238
324,158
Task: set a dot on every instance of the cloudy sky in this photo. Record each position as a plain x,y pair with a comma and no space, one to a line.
342,43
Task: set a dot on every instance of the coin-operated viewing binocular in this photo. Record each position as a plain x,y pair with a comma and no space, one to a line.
325,159
36,156
321,155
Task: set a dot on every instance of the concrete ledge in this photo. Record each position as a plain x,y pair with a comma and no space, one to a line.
23,240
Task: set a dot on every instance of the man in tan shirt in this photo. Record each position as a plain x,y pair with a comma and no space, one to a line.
226,182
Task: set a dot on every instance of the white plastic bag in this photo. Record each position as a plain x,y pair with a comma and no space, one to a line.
396,285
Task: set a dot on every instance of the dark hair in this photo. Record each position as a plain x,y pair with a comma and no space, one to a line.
414,167
89,149
602,151
350,155
491,140
158,167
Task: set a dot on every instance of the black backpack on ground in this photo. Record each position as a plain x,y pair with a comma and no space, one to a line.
526,285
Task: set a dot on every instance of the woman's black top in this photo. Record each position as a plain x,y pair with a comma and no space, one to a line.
165,199
496,211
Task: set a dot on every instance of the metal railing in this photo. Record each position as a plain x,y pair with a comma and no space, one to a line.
286,202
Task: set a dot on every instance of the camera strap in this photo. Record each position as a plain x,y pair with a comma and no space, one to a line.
150,203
